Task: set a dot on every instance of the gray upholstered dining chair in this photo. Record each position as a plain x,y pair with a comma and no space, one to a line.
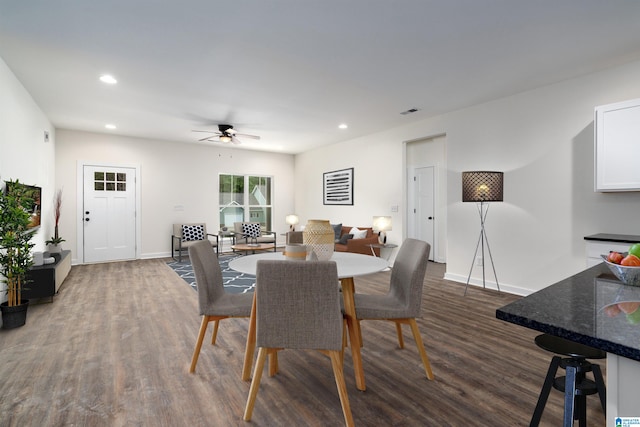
215,303
403,301
298,307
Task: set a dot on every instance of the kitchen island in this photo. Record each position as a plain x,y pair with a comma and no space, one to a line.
584,308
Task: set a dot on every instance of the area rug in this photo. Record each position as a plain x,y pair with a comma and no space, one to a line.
234,281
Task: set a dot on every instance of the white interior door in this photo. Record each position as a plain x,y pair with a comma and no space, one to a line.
424,218
109,213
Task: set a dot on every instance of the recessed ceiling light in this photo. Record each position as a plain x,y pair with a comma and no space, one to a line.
110,126
109,79
342,126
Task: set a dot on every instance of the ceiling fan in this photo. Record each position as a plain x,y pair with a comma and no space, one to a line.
226,134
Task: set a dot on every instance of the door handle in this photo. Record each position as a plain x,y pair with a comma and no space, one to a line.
86,219
430,218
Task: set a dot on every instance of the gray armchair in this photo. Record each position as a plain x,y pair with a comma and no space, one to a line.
186,235
244,236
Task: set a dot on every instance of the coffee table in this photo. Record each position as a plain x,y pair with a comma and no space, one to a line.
253,247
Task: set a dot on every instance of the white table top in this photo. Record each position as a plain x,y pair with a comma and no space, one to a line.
348,264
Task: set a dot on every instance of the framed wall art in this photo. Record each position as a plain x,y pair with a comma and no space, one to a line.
338,187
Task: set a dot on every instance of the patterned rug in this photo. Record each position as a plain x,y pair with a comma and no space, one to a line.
234,282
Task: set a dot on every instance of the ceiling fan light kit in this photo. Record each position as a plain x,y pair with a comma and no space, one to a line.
226,134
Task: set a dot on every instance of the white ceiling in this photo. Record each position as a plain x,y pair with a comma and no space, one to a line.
292,70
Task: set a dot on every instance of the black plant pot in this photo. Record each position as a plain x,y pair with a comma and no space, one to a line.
16,316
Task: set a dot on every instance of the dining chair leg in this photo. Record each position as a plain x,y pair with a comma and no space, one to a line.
255,383
420,344
273,363
345,341
215,332
355,334
196,351
251,343
338,373
399,333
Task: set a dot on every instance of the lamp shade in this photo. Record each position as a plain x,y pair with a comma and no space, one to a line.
381,223
482,186
292,219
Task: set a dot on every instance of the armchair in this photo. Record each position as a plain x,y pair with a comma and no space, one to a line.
243,235
186,235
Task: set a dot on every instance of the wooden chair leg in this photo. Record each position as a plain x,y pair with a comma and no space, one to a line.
420,344
342,387
196,351
215,332
345,342
255,383
399,333
273,363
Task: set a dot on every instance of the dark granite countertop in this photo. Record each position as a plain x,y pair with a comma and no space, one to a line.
583,308
622,238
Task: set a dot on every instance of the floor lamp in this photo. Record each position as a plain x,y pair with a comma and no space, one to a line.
482,187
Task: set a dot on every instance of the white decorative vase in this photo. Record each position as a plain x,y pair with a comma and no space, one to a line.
54,249
319,237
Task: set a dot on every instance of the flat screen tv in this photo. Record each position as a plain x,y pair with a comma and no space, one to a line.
34,201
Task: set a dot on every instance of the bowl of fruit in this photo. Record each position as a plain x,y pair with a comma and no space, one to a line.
625,266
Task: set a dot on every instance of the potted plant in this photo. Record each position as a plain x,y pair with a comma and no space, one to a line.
53,244
15,252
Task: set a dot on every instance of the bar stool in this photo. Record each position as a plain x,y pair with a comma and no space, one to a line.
575,386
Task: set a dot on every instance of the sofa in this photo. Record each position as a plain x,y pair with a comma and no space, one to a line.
357,246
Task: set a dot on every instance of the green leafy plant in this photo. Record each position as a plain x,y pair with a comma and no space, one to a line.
15,241
57,205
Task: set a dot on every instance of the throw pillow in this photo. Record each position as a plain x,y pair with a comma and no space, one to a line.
251,229
344,238
192,232
358,234
337,230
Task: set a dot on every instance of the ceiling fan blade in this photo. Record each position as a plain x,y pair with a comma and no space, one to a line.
244,135
208,131
235,140
207,138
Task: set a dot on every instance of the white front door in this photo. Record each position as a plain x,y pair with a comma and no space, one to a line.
109,213
425,206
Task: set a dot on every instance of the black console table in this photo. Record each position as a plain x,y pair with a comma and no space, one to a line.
44,281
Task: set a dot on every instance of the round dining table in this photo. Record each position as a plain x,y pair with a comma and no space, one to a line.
349,265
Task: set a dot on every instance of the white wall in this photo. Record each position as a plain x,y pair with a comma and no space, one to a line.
172,174
541,139
23,153
378,182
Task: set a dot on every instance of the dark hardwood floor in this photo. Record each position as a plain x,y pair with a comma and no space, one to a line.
114,347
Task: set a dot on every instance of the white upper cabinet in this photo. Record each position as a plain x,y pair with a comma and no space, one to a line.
617,146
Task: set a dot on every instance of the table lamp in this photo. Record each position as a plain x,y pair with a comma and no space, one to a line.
482,187
382,224
292,220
